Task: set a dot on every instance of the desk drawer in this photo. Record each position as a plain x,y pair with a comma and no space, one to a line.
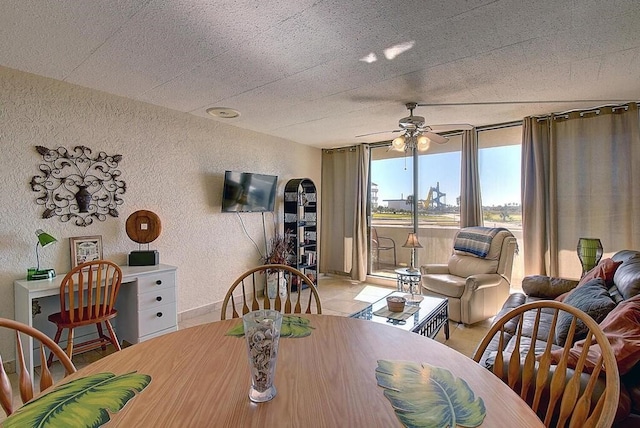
155,298
147,283
158,318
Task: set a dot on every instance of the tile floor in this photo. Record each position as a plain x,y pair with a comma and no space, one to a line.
339,296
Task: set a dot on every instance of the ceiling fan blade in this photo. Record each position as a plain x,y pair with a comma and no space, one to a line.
439,139
487,103
452,126
381,132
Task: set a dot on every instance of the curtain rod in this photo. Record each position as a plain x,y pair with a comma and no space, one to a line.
540,118
455,133
340,149
594,110
491,127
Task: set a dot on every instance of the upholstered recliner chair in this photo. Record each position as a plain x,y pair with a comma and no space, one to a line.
477,278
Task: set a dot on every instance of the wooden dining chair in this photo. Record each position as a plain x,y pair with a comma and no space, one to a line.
88,296
247,290
574,384
25,382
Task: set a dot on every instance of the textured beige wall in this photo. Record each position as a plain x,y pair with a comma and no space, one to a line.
173,164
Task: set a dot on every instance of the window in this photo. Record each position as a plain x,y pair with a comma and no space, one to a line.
499,157
499,154
391,186
439,184
392,197
438,194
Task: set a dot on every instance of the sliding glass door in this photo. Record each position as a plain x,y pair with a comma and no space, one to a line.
391,198
437,195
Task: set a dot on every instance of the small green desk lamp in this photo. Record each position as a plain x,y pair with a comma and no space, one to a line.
44,239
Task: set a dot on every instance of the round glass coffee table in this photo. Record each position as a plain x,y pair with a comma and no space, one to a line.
409,281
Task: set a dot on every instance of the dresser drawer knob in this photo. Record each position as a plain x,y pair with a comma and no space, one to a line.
159,298
159,314
158,282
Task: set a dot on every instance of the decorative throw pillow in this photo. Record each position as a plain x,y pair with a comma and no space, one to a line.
546,287
606,269
592,298
622,328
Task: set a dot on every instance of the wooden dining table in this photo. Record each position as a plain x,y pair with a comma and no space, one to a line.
200,378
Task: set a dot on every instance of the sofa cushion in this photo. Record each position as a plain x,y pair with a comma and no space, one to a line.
627,277
592,298
605,270
546,287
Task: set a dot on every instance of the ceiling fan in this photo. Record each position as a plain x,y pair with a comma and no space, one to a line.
415,133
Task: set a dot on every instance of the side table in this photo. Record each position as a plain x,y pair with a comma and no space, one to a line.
409,282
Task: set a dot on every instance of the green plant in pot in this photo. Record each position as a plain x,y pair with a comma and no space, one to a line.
278,250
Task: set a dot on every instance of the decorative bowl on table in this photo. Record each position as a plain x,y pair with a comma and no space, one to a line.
396,303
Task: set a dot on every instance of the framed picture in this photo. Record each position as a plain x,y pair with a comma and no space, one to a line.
85,249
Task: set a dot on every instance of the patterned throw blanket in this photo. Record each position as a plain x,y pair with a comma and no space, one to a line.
476,240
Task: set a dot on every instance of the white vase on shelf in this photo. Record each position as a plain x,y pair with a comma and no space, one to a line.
274,288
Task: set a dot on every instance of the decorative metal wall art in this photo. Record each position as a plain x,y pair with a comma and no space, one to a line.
77,186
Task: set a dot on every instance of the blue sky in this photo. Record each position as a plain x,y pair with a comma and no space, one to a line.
499,176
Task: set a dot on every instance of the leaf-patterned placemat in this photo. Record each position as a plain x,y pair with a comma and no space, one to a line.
292,326
83,402
399,316
428,396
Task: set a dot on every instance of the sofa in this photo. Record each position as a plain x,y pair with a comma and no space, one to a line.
615,306
476,280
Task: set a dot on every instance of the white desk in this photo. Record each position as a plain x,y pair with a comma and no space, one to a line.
146,304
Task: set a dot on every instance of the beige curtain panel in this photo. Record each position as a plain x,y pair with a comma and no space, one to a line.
344,211
470,200
580,179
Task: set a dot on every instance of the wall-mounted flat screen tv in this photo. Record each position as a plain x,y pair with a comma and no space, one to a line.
248,192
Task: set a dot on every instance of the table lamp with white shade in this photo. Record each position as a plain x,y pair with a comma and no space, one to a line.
413,243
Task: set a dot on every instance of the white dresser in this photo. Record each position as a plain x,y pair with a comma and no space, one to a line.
149,309
146,305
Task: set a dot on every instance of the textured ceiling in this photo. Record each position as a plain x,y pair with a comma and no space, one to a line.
295,69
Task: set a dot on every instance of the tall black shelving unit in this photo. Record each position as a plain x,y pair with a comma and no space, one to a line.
301,225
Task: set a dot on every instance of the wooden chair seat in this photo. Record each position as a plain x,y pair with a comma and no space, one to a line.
58,319
247,289
26,387
88,296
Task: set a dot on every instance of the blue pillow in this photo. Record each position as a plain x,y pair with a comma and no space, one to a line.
593,298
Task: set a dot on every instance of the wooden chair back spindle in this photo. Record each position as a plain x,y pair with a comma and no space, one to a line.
25,383
254,280
543,381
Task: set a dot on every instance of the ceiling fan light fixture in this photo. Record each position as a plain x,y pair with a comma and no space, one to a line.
423,143
398,143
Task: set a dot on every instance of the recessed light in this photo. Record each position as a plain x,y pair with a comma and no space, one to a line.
223,112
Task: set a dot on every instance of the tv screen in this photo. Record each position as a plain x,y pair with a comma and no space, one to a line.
248,192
